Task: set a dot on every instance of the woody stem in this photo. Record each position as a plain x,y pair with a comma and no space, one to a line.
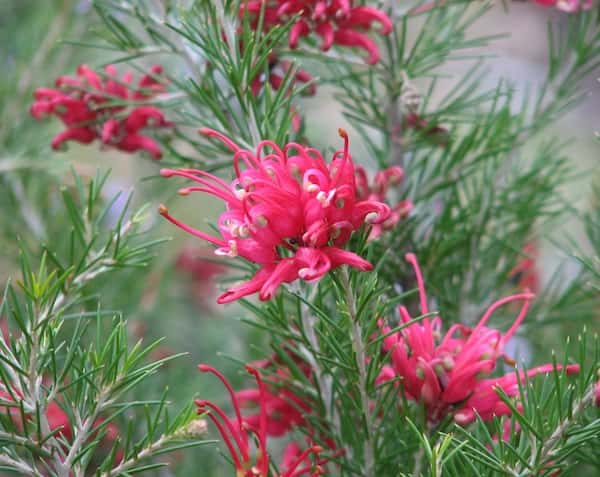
324,381
361,364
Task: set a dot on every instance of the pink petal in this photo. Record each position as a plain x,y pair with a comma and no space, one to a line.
347,37
340,257
299,30
248,288
364,16
135,142
284,272
110,130
82,135
325,31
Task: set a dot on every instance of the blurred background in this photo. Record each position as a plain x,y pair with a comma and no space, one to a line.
43,39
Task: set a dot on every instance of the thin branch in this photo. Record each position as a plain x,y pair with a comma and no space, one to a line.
361,363
419,460
143,454
548,450
325,381
19,465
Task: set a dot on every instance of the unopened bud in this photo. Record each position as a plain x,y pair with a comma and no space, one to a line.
195,429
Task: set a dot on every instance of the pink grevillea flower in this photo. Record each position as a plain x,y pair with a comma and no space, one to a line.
597,394
569,6
336,22
289,212
91,107
378,190
237,435
446,371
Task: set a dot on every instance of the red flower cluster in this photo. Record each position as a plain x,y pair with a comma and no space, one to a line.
236,434
569,6
377,191
335,21
449,374
91,106
289,211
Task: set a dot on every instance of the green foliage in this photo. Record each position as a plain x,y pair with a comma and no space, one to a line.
484,182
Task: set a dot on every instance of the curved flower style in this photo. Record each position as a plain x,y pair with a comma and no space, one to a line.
289,212
569,6
91,107
236,434
447,373
377,191
335,21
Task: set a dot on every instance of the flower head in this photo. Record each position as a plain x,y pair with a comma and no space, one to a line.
91,106
287,211
236,434
449,373
334,21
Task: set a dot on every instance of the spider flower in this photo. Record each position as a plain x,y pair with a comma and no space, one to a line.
336,22
237,435
94,106
447,373
289,212
378,190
